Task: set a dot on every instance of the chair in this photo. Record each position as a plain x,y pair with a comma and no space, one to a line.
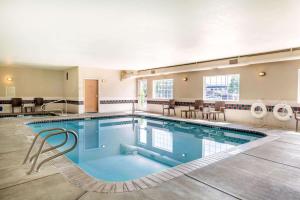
198,107
170,106
38,102
219,109
16,103
297,118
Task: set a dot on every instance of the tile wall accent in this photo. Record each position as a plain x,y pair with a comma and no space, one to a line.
117,101
31,101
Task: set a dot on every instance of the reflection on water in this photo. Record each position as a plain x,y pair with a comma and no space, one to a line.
132,147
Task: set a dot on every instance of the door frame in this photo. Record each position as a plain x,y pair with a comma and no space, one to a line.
98,92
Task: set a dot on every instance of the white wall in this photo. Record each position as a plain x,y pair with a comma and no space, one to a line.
111,88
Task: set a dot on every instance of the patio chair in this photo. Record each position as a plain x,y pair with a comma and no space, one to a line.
219,109
169,106
16,103
38,102
198,107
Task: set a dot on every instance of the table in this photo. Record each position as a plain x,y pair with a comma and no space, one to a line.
206,113
187,113
26,107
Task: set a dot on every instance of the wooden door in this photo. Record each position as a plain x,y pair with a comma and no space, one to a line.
91,96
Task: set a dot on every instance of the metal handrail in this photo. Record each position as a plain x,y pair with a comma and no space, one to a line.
61,153
133,107
53,147
36,137
43,107
40,151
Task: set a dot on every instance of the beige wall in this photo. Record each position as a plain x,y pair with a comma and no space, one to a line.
280,83
110,88
71,85
31,82
71,88
51,84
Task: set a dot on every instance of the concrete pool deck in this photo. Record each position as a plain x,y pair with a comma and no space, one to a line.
269,170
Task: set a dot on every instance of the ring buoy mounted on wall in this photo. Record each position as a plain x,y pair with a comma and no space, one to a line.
259,110
283,112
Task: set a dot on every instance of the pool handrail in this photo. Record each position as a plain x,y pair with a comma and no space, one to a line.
36,137
40,149
51,148
43,107
60,153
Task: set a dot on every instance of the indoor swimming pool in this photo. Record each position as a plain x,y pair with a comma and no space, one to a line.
125,148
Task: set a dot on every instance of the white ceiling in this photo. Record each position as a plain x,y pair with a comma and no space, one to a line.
139,34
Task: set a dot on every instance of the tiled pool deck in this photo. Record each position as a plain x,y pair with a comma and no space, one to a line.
268,168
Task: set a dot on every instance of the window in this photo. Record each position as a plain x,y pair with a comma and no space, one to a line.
163,89
162,140
225,87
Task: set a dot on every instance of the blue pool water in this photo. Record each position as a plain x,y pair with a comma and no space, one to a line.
125,148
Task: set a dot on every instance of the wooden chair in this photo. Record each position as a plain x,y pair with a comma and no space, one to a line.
170,106
16,103
219,109
38,102
198,107
297,118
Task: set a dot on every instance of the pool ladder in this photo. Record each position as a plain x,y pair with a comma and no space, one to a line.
55,131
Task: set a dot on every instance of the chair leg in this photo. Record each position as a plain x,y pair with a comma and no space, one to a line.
297,125
224,117
174,112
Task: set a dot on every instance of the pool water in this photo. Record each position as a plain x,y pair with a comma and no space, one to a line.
126,148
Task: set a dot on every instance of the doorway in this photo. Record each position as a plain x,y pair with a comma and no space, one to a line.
142,94
91,96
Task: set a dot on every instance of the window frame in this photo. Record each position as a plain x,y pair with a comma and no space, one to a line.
220,99
154,82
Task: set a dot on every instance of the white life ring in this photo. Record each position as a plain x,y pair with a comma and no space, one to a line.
288,111
263,110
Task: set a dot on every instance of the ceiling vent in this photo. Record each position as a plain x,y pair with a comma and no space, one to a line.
233,61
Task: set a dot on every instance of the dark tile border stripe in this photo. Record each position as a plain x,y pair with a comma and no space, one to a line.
154,102
31,101
117,101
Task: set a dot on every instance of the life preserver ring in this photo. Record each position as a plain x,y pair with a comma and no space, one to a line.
263,110
287,109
